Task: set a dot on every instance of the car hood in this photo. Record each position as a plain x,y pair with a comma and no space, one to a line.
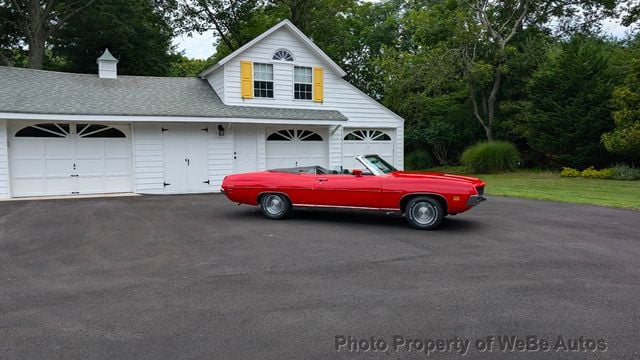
437,175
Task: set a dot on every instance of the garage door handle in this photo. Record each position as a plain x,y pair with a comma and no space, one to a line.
75,175
322,179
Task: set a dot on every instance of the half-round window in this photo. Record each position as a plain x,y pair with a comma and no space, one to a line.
367,135
294,135
50,130
98,131
282,55
55,130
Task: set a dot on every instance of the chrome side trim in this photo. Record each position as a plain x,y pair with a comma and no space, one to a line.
346,207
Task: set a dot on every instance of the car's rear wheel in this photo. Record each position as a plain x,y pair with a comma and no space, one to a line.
424,213
275,206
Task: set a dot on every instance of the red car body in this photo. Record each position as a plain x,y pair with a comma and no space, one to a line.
344,190
384,191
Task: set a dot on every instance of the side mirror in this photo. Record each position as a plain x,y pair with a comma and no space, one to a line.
356,172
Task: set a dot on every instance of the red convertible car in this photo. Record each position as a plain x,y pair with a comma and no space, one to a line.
424,198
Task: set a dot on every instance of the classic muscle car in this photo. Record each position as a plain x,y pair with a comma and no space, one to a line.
424,198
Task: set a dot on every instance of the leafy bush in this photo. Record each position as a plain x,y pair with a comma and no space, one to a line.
592,173
570,172
418,160
491,157
626,172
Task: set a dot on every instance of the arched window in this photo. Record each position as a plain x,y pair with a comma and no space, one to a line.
294,135
282,55
54,130
367,135
44,131
98,131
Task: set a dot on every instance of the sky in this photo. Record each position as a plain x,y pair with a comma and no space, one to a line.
200,46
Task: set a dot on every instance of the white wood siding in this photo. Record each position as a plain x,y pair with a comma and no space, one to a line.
220,156
216,80
399,155
361,110
262,148
148,158
4,161
335,146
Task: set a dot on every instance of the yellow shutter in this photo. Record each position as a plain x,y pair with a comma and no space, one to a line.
318,85
246,79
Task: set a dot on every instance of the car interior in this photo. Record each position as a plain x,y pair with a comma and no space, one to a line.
317,170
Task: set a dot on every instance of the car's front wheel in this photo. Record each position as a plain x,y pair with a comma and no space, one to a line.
424,213
275,206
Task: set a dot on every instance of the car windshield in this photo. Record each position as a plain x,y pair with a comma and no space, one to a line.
376,164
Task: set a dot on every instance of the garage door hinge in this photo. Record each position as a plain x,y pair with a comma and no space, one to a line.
207,182
166,184
163,129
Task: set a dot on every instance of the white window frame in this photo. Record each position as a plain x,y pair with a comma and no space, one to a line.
256,93
295,82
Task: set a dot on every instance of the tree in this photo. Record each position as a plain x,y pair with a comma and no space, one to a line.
135,31
38,20
496,24
9,37
625,138
183,66
234,22
570,94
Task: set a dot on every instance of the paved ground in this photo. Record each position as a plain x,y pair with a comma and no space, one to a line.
196,277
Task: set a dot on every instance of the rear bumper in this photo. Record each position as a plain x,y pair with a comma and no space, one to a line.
475,200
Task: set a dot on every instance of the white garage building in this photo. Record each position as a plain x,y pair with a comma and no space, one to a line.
278,101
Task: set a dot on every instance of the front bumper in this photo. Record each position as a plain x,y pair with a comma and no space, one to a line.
475,200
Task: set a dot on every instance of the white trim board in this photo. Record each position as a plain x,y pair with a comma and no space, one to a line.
129,118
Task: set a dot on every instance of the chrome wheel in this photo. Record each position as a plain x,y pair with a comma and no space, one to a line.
274,204
424,213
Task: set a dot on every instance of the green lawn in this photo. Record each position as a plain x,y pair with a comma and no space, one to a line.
551,186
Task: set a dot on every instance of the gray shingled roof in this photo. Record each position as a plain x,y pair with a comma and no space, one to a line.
48,92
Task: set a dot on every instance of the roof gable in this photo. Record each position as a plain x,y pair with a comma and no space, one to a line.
295,31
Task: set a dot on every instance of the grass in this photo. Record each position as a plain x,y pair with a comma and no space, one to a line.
551,186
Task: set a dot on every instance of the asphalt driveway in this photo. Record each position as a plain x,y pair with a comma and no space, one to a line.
196,277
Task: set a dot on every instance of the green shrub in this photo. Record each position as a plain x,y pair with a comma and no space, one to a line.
418,160
570,172
491,157
592,173
626,172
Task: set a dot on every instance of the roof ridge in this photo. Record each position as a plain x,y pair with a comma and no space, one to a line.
95,75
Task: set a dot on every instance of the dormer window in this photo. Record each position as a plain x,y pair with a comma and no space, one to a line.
282,55
262,80
302,83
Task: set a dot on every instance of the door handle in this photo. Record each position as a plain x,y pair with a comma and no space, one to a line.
188,161
323,179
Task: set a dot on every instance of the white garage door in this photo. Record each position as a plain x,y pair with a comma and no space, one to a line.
366,141
295,147
70,158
